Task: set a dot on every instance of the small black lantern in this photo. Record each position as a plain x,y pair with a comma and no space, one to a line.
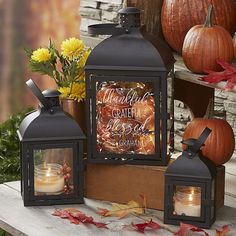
130,117
190,187
51,153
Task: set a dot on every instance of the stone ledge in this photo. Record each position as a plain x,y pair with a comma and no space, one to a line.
90,13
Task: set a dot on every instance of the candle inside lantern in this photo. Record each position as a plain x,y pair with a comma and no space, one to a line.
187,201
48,179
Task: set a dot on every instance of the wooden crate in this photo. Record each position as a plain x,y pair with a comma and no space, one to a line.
122,183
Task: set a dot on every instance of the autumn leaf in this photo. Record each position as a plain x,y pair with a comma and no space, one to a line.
223,231
141,227
76,217
184,228
122,210
228,75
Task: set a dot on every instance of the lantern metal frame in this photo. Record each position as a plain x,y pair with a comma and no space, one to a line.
129,55
195,170
45,129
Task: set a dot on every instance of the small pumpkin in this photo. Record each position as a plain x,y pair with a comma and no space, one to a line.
205,44
234,43
178,16
220,144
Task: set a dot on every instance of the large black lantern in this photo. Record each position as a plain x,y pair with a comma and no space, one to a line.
51,153
130,116
190,187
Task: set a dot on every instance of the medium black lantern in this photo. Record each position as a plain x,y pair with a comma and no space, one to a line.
51,153
130,117
190,187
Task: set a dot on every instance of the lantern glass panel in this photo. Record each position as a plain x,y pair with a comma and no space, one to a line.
125,117
187,201
53,173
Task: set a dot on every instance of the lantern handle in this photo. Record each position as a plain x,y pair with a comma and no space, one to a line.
37,92
194,145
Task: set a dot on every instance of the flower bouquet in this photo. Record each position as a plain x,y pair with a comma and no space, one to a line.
65,67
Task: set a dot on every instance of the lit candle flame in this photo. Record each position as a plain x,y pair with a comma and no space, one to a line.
190,197
48,173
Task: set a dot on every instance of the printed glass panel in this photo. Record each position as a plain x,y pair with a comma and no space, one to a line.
125,117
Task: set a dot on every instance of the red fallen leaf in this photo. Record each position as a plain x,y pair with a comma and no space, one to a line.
142,226
83,218
223,231
57,213
75,217
64,214
100,225
215,77
89,220
73,220
229,75
184,228
61,213
227,66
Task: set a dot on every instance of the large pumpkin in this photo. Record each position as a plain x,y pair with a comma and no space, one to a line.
205,44
178,16
219,146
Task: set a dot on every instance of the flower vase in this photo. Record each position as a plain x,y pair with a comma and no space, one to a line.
76,110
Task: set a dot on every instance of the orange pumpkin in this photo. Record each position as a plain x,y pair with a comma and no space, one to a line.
205,44
178,16
219,146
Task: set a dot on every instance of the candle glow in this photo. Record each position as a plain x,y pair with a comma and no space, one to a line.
48,179
187,201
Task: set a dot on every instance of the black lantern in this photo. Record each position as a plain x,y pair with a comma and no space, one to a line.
190,187
130,117
51,153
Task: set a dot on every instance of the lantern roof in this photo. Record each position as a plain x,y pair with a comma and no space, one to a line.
133,50
50,122
197,166
192,164
43,125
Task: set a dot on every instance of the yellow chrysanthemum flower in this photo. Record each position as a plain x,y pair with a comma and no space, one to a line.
77,92
72,48
83,59
41,55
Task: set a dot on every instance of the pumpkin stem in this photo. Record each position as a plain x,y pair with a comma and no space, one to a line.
208,21
210,110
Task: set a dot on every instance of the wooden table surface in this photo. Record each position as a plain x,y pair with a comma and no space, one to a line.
38,221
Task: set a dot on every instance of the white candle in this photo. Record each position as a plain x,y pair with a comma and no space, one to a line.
187,201
48,179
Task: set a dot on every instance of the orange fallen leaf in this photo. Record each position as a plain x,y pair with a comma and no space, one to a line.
122,210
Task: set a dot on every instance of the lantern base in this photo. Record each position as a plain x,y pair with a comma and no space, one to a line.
122,183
